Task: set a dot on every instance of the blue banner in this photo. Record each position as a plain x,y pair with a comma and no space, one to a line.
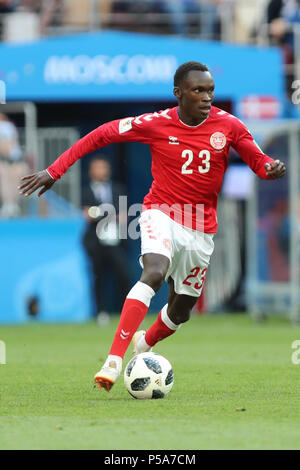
43,271
106,66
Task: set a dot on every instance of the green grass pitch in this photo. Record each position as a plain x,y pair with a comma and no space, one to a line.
221,364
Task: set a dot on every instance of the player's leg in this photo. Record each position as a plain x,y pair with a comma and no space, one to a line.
169,319
133,313
186,279
138,300
155,237
180,306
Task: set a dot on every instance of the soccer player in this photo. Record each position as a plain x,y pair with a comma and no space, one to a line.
189,146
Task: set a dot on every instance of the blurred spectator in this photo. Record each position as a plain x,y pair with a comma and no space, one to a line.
12,167
90,14
135,15
102,244
181,16
186,13
282,15
27,15
49,11
8,6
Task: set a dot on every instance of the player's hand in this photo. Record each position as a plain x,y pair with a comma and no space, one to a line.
275,169
35,181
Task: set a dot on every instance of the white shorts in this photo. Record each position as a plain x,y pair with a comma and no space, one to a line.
188,250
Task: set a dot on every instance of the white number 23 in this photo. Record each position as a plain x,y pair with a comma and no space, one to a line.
205,163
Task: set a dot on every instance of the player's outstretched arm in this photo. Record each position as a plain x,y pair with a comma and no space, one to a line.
275,169
31,183
121,130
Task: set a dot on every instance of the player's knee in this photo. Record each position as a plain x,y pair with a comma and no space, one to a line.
154,277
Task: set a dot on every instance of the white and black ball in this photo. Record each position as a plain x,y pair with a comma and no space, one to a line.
148,375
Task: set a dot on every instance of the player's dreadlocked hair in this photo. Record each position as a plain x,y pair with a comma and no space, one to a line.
185,68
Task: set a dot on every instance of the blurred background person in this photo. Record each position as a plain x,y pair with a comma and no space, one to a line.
186,14
102,245
49,11
12,167
9,6
283,19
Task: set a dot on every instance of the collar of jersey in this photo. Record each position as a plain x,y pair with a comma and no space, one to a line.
193,127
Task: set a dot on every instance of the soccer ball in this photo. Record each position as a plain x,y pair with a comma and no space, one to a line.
148,375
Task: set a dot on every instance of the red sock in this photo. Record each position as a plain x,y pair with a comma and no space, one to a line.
159,330
132,315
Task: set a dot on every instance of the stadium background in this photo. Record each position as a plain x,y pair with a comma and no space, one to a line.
84,64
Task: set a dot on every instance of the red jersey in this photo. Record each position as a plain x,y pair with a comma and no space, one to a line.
188,162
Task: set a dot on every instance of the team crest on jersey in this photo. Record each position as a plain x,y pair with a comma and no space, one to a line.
125,125
218,140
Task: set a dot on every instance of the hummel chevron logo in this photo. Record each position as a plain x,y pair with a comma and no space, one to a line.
124,334
173,140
